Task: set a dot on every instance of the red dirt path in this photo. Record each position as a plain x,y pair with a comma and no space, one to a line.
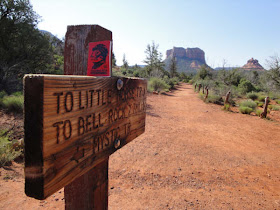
192,156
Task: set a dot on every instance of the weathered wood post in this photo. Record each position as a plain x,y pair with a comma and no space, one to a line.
264,113
203,89
206,96
90,191
195,87
73,123
227,97
199,87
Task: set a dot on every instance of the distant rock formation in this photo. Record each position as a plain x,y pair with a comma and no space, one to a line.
252,64
188,60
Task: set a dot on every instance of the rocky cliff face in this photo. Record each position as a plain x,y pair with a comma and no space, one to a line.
178,52
196,54
253,64
188,60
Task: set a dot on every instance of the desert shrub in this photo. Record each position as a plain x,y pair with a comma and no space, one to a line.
252,95
204,73
274,107
136,73
175,80
274,95
245,110
19,93
117,73
12,103
249,103
246,86
259,103
226,107
156,84
7,150
262,98
258,112
278,101
191,81
269,106
171,81
2,94
215,99
201,95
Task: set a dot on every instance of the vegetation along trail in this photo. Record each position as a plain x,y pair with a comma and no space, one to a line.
192,156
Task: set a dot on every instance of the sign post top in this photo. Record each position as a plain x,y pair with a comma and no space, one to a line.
76,49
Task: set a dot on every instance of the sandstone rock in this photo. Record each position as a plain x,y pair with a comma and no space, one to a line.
168,52
253,64
179,52
196,53
188,60
195,65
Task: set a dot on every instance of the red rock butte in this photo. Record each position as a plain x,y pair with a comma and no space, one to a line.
252,64
189,59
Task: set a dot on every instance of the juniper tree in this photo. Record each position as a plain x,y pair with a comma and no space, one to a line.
125,63
173,67
153,59
23,48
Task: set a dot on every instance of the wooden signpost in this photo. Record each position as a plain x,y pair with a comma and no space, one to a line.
72,125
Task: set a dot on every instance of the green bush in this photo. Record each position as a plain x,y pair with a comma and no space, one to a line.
258,112
274,95
246,86
249,103
7,150
201,95
215,99
175,80
12,103
252,95
260,104
19,93
226,107
136,73
278,101
274,107
245,110
171,81
117,73
262,98
2,94
156,84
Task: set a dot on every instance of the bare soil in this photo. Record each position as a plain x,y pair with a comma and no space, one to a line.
192,156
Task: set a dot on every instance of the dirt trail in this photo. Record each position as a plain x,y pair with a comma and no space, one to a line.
192,156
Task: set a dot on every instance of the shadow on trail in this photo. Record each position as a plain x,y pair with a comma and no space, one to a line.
167,94
175,89
149,111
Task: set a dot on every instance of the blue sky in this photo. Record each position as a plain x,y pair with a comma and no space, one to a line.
230,30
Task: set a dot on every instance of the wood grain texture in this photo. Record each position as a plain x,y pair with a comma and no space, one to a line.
33,126
76,46
81,117
89,197
77,40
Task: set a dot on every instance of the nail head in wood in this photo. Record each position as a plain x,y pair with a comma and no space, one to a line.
117,143
119,84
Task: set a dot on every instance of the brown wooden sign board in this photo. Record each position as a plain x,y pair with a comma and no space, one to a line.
72,123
